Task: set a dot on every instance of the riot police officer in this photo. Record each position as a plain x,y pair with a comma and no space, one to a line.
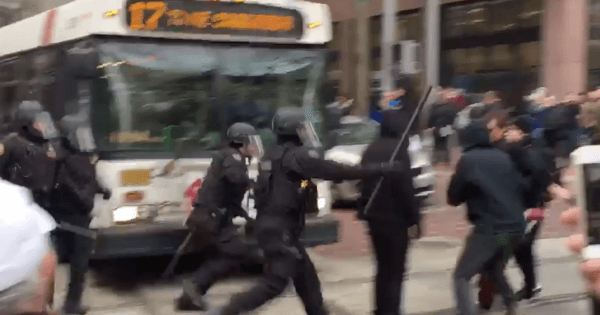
218,202
281,205
70,203
28,155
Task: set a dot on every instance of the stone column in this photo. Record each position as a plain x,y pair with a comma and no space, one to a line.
388,39
347,53
432,18
363,79
565,30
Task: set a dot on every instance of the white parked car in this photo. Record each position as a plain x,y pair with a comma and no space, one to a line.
352,140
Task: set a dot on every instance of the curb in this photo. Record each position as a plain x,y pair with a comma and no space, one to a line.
437,242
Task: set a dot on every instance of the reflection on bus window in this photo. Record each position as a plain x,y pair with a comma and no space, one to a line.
203,88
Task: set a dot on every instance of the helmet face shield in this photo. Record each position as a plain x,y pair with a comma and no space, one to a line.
43,123
254,147
83,140
308,135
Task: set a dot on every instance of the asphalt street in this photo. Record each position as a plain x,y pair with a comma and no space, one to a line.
134,287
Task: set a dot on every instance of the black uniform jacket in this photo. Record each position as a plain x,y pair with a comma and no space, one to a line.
225,183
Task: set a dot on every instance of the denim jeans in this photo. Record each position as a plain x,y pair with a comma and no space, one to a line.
483,252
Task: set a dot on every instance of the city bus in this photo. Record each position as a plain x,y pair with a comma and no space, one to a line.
136,68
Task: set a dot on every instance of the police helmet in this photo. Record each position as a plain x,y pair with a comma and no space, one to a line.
287,121
239,132
31,116
292,122
246,136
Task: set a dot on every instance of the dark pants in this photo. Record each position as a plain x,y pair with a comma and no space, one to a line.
76,249
483,252
286,260
391,245
525,259
441,152
227,256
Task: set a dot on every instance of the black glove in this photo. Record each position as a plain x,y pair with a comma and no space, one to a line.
106,193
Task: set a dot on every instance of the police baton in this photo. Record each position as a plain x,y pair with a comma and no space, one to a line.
393,157
78,230
171,267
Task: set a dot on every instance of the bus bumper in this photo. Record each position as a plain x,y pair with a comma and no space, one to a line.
165,239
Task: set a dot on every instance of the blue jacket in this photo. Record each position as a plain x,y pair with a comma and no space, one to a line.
537,117
377,115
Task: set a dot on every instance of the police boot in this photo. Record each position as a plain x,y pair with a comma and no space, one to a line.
72,304
191,299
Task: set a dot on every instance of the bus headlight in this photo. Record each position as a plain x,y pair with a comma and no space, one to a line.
125,214
321,202
324,197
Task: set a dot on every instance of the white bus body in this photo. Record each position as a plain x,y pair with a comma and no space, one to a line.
154,201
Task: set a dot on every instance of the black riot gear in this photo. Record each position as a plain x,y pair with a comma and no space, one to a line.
28,157
287,121
291,122
242,135
217,203
31,117
284,177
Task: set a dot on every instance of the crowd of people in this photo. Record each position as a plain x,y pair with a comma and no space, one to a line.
509,169
561,125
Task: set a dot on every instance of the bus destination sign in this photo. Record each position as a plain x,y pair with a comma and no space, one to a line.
215,18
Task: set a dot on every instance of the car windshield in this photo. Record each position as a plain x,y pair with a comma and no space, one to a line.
204,88
357,131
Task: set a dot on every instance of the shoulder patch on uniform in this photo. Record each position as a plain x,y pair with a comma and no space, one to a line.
313,154
265,165
237,157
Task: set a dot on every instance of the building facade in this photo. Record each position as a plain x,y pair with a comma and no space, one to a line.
512,46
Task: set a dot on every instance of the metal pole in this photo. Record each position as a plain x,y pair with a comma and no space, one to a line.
388,38
432,42
363,82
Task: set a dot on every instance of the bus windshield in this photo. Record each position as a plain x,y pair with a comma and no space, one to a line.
147,86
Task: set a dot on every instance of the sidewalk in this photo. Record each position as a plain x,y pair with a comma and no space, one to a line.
347,283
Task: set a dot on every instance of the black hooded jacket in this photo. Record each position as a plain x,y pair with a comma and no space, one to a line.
487,180
535,165
395,202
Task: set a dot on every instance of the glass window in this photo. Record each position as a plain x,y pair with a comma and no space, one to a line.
259,81
491,40
375,42
358,132
146,87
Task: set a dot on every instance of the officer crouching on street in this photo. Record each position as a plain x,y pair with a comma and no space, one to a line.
281,201
71,202
218,202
